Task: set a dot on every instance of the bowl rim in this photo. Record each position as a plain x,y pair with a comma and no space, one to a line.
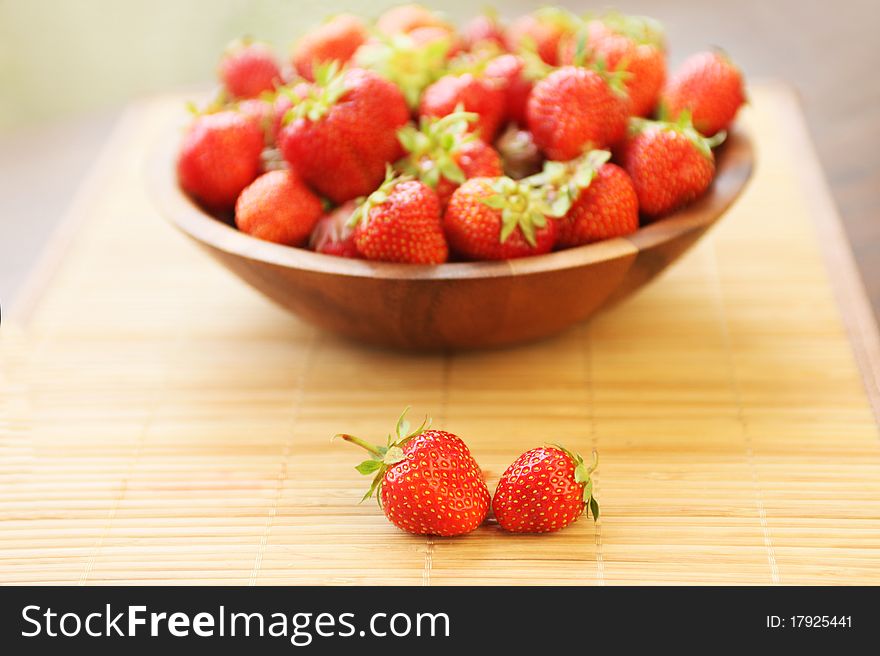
731,177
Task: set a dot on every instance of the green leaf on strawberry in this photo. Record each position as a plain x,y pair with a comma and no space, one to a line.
409,65
433,148
329,87
523,205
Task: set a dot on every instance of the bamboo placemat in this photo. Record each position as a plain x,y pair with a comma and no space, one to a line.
161,423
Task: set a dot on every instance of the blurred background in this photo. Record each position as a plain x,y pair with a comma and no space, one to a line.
68,68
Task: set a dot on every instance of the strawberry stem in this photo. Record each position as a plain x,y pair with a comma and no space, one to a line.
383,457
363,444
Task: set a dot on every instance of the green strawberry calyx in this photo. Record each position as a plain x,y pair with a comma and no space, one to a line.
384,456
524,206
378,197
564,182
615,78
409,65
328,88
682,125
582,475
432,148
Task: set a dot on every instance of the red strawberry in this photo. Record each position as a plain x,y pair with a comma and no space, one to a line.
442,154
574,109
219,156
341,136
483,30
603,200
400,222
500,219
670,164
544,490
427,481
634,45
476,159
333,235
406,18
336,40
542,30
248,69
514,80
710,86
278,207
260,111
470,92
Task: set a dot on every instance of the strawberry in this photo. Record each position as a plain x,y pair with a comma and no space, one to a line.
520,156
400,222
333,235
471,92
410,64
426,481
442,153
219,156
634,45
544,490
278,207
336,40
483,30
514,80
341,136
574,109
500,219
406,18
542,30
260,111
670,164
603,201
710,86
248,68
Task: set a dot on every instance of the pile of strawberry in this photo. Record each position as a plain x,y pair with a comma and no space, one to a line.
406,140
428,483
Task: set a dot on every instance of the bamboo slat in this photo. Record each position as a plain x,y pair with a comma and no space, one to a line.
161,423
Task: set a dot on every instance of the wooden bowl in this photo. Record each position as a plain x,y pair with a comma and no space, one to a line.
463,305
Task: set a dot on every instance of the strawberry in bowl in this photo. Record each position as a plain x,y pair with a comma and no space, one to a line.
407,183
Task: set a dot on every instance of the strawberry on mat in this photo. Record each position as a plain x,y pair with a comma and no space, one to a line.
426,481
545,490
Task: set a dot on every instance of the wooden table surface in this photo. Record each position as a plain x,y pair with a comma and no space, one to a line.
160,422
